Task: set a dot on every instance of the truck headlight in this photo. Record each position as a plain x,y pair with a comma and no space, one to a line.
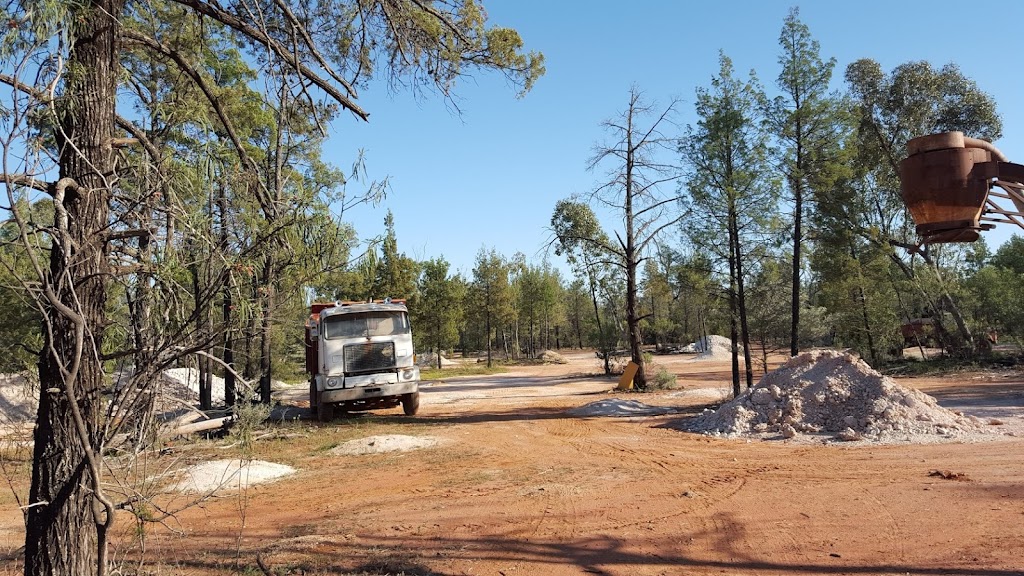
333,382
410,374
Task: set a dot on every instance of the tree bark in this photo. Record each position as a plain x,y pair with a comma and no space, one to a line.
733,312
227,304
266,364
798,212
742,305
862,296
66,525
600,330
632,262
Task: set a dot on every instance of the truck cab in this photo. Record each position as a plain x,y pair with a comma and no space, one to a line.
359,356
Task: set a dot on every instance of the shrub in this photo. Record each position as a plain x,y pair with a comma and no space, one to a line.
663,380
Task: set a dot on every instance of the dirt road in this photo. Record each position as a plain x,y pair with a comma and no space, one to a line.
519,487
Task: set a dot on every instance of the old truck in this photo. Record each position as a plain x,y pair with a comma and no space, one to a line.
359,356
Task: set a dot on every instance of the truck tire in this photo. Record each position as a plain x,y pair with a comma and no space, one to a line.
312,396
325,411
411,403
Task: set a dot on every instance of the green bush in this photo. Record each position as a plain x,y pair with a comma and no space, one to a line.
663,380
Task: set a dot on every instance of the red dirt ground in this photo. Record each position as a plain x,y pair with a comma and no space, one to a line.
521,488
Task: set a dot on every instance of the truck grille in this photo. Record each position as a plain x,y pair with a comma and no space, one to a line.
369,357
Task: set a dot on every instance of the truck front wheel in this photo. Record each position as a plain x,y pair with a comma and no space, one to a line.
411,403
325,411
312,395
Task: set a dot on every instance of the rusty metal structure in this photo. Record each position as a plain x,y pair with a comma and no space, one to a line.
955,187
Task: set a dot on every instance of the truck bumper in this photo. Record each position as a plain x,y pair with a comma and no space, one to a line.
368,392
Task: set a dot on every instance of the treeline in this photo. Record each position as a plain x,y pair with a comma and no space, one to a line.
775,219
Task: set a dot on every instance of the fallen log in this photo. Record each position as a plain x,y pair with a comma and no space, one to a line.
211,424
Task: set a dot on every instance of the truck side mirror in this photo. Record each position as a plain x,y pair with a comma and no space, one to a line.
314,331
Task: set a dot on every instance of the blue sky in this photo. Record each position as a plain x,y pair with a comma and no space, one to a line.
490,176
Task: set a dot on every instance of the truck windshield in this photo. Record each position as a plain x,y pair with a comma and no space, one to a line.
366,325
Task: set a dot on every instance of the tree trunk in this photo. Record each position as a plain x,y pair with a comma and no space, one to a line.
633,326
798,212
600,330
269,280
533,342
733,312
202,368
864,309
742,305
632,262
488,322
229,352
227,305
66,525
251,357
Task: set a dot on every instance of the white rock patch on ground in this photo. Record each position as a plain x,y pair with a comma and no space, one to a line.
618,407
221,475
830,392
386,443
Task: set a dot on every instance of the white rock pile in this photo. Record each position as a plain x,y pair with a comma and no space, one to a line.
827,392
17,399
713,347
552,357
429,360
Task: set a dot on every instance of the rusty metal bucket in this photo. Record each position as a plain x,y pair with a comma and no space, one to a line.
945,182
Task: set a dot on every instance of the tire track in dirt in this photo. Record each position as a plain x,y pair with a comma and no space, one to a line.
640,455
886,524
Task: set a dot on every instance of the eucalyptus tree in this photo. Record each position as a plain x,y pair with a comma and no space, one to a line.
915,99
552,304
993,294
658,299
698,293
490,296
731,186
633,157
768,318
438,311
579,238
62,62
807,122
20,336
396,273
530,288
538,299
576,304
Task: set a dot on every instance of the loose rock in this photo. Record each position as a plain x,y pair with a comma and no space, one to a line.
831,392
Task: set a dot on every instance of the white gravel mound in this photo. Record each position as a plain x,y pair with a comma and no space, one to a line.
713,347
18,402
833,393
386,443
429,360
185,382
552,357
618,407
222,475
